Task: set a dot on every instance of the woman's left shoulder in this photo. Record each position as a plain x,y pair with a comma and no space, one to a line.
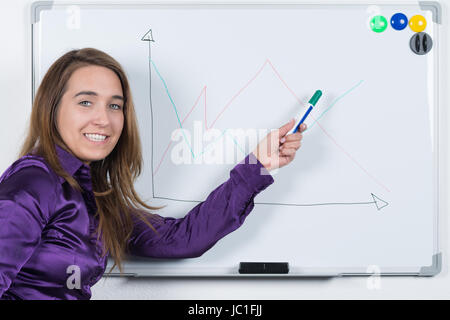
28,161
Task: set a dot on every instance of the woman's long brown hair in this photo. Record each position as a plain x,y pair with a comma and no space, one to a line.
112,177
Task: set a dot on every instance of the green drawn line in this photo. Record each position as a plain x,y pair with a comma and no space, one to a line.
223,132
209,146
236,143
173,105
335,101
178,118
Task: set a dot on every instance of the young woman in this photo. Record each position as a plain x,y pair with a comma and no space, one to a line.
68,201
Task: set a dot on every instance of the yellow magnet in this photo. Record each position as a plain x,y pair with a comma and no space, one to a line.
417,23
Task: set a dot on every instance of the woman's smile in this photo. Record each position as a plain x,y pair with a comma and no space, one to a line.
97,139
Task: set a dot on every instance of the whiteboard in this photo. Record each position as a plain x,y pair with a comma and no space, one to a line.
361,196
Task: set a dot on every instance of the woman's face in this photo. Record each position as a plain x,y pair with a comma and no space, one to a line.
91,108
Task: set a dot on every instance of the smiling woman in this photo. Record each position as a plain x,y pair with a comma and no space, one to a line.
69,201
83,121
90,116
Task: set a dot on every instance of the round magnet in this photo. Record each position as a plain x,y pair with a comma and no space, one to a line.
378,23
417,23
399,21
421,43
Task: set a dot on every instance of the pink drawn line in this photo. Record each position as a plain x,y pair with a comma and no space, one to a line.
351,158
168,146
239,92
195,105
329,136
293,93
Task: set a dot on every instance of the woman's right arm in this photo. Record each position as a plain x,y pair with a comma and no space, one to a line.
26,203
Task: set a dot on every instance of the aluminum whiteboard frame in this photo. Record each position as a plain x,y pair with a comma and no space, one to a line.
141,267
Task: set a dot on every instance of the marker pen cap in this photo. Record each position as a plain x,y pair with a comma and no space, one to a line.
315,97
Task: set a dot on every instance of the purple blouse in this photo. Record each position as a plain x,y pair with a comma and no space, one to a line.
48,229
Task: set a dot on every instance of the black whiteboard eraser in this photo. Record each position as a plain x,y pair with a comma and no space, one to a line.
263,267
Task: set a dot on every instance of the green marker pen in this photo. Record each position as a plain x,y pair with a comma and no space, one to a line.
312,102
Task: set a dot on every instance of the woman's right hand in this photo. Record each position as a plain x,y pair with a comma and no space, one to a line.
278,149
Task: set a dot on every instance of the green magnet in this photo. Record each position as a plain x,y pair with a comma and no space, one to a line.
378,24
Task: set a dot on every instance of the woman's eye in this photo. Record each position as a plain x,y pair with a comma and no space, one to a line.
118,107
82,103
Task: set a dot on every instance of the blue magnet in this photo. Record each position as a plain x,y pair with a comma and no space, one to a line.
399,21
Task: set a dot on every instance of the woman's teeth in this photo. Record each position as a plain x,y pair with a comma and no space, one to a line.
95,137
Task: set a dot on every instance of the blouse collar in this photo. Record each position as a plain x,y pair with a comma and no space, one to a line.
75,167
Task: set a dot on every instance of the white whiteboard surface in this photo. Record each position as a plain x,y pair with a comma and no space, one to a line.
361,195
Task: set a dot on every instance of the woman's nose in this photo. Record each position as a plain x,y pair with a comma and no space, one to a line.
101,116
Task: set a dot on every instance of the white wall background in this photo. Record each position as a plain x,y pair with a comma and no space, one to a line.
15,90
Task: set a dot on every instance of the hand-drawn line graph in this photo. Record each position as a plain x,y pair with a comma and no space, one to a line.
149,37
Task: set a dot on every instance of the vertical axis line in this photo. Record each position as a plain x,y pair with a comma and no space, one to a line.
151,112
